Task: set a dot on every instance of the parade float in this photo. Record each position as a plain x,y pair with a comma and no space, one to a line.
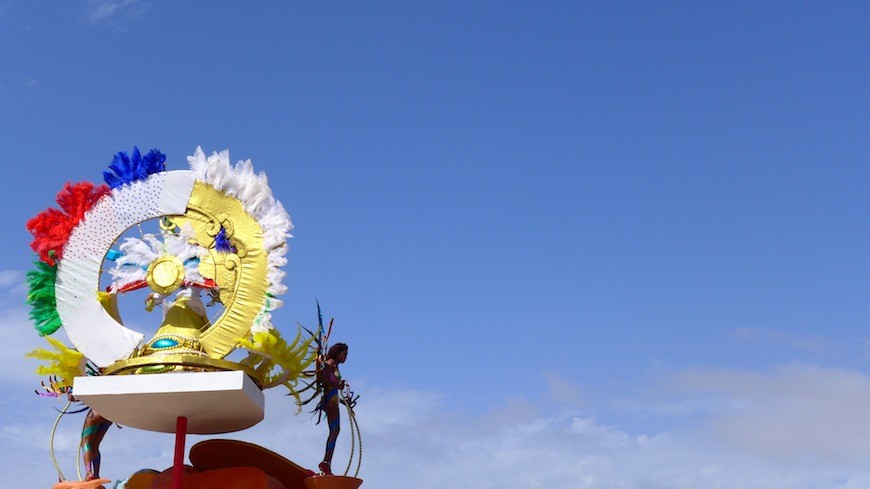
202,250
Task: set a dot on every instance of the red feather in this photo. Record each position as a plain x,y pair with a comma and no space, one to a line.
79,198
51,228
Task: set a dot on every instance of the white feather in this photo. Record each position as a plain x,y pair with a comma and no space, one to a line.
194,301
276,287
276,259
218,170
136,255
262,324
272,304
244,174
252,190
183,248
199,164
263,201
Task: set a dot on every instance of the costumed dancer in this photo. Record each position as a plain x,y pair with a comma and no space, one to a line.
330,384
94,429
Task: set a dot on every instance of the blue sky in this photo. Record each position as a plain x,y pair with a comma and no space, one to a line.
628,237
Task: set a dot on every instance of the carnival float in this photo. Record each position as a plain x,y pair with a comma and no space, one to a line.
199,252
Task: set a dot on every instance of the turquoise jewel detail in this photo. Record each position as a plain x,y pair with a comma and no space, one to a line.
164,343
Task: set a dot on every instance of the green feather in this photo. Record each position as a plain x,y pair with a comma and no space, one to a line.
41,299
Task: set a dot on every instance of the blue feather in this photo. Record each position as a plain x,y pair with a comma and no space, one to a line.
221,243
137,169
126,169
319,338
319,318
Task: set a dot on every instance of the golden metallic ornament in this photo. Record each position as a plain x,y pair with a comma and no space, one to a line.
177,362
165,274
188,342
178,335
241,276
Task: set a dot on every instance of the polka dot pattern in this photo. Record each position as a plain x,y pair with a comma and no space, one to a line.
88,326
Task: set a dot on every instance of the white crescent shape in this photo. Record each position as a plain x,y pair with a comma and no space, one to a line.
87,324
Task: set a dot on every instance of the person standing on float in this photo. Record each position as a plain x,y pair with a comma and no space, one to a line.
330,382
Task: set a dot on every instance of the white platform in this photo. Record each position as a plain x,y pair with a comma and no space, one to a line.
213,402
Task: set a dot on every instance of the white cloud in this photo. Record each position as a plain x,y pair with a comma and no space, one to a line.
10,277
773,336
28,82
801,413
794,426
414,439
113,10
15,284
102,9
562,391
18,331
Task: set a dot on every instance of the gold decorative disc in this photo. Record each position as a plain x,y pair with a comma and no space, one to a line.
165,274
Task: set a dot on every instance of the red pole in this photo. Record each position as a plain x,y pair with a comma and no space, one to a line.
178,467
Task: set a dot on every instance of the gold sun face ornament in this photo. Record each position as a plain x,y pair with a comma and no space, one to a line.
221,235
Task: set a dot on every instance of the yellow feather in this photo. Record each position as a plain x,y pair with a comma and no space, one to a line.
66,363
276,361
